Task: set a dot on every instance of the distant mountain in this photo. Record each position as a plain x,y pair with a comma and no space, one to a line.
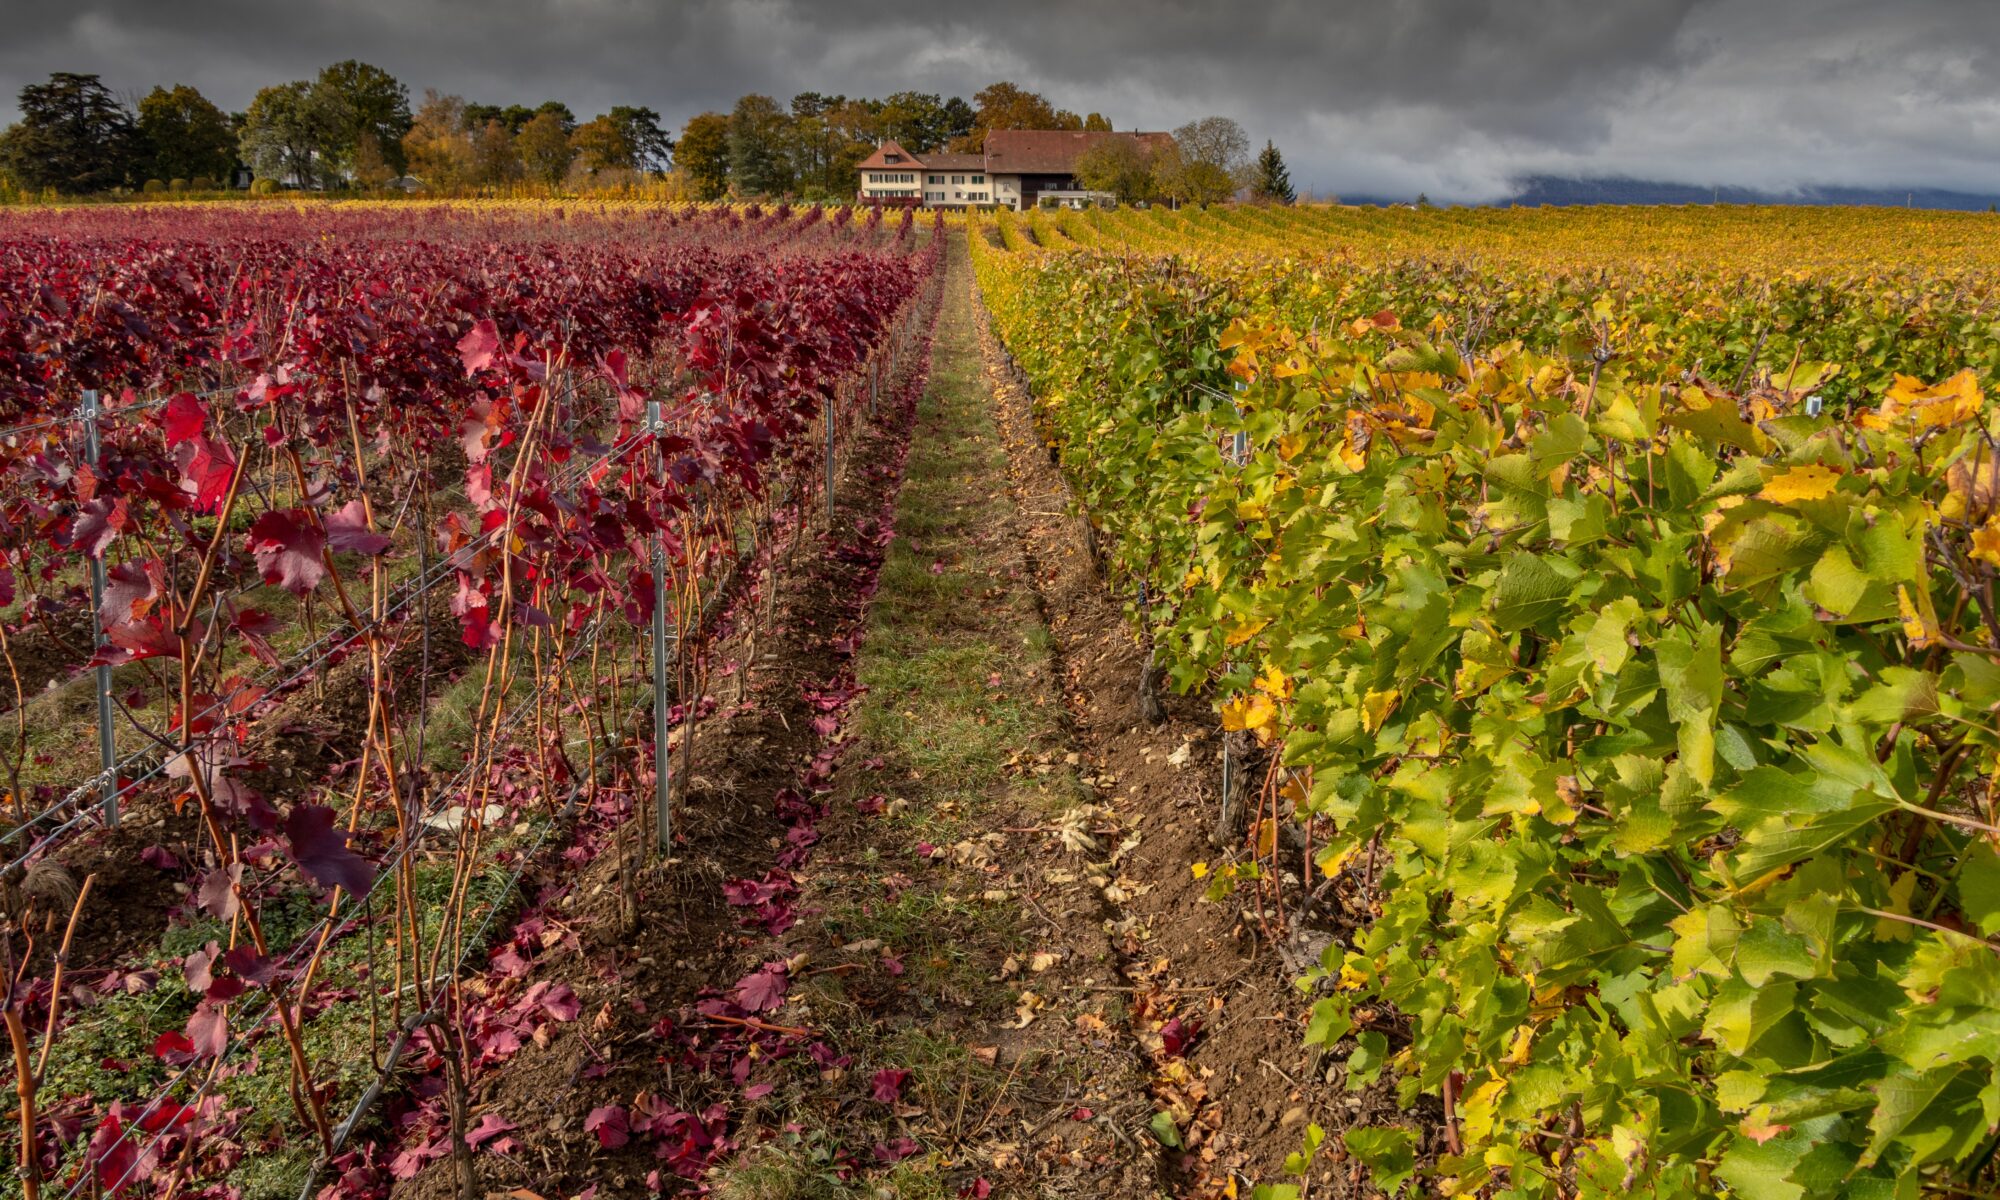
1549,189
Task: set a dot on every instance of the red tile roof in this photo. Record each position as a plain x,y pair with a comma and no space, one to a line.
1010,152
954,162
879,161
1052,151
936,161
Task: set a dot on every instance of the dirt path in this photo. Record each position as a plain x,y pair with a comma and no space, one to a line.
952,932
1214,996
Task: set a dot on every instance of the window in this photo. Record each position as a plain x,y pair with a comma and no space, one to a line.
979,179
937,179
958,179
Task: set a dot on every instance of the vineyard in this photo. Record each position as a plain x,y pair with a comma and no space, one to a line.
1600,607
367,569
598,699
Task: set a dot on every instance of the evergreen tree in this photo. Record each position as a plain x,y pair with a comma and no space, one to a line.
74,136
1272,181
758,165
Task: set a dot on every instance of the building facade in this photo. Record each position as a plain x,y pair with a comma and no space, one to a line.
1018,168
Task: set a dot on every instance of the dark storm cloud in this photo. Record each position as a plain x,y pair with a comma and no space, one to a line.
1455,97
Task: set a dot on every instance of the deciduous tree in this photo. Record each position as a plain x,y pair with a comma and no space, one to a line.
287,135
1213,154
1006,105
185,136
544,148
438,148
703,153
601,146
359,99
494,162
1120,166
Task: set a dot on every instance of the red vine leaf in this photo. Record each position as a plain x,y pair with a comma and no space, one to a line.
321,850
762,991
347,530
183,418
609,1124
288,550
479,347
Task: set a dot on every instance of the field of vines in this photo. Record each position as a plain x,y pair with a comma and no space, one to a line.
1600,604
342,551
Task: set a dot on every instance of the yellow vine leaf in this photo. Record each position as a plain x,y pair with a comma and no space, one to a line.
1800,483
1952,402
1919,620
1254,711
1376,707
1243,631
1275,682
1986,543
1900,891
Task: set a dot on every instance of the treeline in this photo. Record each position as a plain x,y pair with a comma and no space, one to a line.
812,147
353,127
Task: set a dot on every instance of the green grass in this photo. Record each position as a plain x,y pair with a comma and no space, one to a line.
955,658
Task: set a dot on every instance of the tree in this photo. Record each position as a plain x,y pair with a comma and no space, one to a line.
815,104
600,145
623,139
514,116
1009,106
543,145
649,146
1169,171
757,162
704,154
915,119
956,119
1213,153
287,134
493,158
371,165
560,111
1097,123
361,99
1270,181
185,136
74,136
438,148
1119,165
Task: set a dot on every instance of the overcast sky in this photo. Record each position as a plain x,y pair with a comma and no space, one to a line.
1452,97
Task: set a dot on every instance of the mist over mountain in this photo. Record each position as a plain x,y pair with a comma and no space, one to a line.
1539,190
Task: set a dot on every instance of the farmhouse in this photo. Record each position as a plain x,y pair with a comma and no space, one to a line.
1019,169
